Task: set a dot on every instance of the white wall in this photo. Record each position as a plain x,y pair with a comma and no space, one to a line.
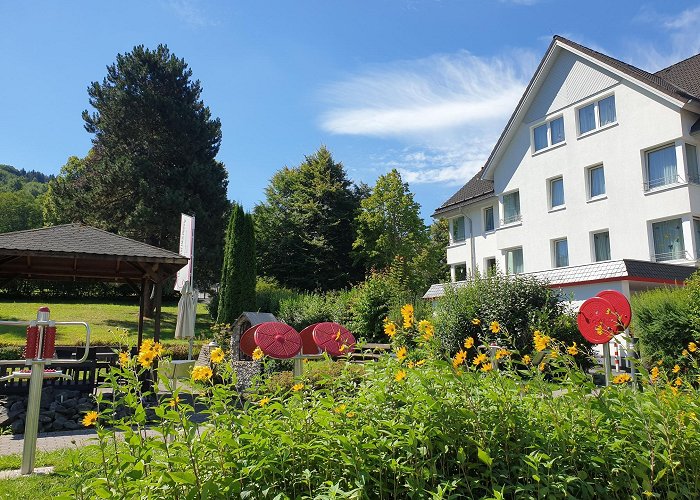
644,121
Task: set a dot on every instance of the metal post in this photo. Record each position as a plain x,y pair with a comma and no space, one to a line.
31,426
606,363
298,369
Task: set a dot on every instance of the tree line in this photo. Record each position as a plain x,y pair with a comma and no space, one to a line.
153,156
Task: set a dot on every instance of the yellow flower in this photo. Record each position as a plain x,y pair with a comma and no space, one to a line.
146,345
676,369
427,328
684,352
654,373
502,353
692,347
541,341
157,349
527,359
459,359
217,355
660,362
495,327
145,358
400,375
411,364
623,378
678,382
350,414
390,328
407,314
258,354
90,418
420,362
573,350
402,353
599,329
297,387
201,373
542,366
476,321
480,359
124,358
469,343
487,367
264,401
674,390
337,335
340,408
173,402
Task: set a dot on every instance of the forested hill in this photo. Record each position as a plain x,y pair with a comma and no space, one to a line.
29,181
21,198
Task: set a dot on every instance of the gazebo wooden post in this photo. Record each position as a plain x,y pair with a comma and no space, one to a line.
158,304
142,302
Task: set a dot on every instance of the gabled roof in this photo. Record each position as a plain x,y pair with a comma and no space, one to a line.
679,82
76,251
613,270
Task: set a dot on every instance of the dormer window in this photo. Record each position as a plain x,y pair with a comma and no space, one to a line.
548,134
596,115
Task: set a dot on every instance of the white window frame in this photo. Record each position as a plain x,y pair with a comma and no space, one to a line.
454,241
648,188
513,249
486,263
493,218
517,219
693,177
554,253
454,271
661,256
550,182
596,115
548,123
589,184
594,257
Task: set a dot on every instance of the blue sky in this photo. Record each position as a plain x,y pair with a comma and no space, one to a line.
424,86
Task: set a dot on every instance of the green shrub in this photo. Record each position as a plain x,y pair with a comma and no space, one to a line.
402,431
520,304
305,309
662,320
269,294
371,302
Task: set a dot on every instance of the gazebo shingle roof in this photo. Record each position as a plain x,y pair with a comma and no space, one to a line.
76,251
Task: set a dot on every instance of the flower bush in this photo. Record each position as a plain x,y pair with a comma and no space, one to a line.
483,423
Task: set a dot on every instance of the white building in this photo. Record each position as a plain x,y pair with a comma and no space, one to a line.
594,182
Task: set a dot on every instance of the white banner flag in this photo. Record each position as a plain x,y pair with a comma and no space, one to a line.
186,250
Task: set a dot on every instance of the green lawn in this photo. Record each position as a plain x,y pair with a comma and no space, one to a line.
45,486
101,316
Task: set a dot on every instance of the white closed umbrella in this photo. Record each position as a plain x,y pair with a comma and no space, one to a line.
186,314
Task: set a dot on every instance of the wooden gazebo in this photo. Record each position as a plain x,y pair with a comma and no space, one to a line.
78,252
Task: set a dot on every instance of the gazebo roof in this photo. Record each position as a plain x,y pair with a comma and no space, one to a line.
76,251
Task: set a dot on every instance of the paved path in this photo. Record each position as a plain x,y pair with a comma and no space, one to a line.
48,441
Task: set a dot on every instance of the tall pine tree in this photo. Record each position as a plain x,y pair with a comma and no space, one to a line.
237,285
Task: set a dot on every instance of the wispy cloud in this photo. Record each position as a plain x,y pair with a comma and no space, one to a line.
681,31
191,12
448,109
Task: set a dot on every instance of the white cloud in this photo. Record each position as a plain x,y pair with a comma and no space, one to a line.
449,109
191,12
681,31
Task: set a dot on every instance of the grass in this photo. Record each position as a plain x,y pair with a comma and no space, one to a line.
40,486
103,317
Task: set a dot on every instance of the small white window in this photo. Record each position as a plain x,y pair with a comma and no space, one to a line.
691,158
460,272
490,265
596,115
561,253
514,261
668,240
489,224
458,232
511,207
556,193
601,246
661,167
596,181
548,134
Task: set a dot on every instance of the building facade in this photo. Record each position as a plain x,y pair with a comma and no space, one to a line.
598,163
